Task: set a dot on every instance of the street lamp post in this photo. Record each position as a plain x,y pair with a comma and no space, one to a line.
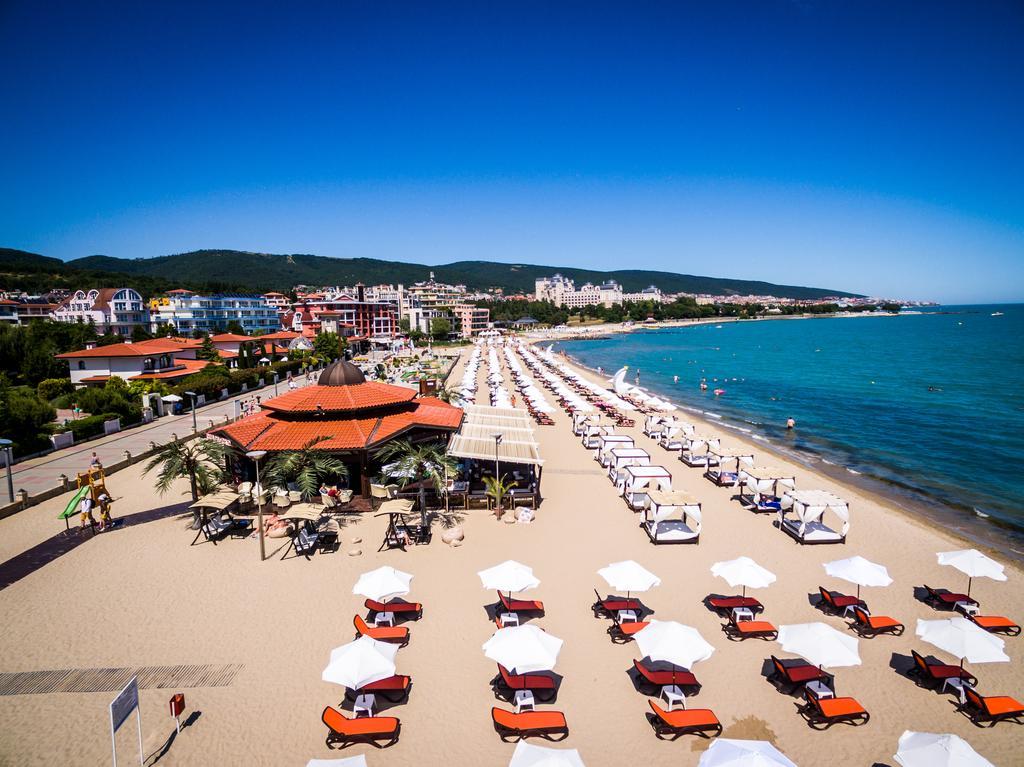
5,445
193,396
256,455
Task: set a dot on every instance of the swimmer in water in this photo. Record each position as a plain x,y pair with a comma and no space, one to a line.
675,379
790,423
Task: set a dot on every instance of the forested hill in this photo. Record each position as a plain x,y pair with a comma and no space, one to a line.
266,271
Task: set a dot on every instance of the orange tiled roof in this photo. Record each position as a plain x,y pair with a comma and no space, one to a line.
362,396
94,379
181,368
138,349
268,431
222,338
280,335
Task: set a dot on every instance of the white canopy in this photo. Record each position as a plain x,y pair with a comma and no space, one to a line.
382,584
727,752
820,644
360,662
629,576
963,639
509,576
927,749
673,643
523,649
809,506
745,572
860,571
973,564
529,755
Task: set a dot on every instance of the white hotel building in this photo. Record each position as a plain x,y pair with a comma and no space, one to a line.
561,291
186,312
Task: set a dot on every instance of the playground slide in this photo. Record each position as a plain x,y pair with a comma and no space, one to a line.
72,507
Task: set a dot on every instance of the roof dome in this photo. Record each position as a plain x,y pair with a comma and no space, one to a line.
341,373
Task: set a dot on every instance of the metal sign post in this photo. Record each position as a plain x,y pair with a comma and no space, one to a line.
120,709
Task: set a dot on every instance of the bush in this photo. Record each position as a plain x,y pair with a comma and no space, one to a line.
112,398
50,388
23,417
89,426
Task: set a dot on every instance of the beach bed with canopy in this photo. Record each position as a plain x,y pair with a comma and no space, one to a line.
608,442
621,457
694,450
723,466
638,481
653,425
762,486
674,434
672,517
801,516
580,420
593,432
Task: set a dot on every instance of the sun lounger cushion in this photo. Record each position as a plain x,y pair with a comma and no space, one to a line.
670,530
814,532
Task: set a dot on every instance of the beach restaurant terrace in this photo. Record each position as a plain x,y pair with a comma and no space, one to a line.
496,440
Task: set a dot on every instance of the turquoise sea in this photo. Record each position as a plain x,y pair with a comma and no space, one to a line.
927,407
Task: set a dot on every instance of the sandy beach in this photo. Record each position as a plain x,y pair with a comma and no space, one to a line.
141,596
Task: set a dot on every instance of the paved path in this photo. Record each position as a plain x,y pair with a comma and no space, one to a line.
38,474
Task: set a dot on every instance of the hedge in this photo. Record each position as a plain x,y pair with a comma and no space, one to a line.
50,388
90,426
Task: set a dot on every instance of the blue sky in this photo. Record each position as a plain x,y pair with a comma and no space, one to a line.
868,146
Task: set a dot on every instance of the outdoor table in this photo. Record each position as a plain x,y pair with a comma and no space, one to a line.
509,619
820,689
967,608
673,695
364,705
384,619
524,700
960,685
742,614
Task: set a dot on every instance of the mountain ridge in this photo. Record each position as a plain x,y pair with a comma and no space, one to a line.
275,271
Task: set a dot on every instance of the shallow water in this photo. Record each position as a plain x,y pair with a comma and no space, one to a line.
931,404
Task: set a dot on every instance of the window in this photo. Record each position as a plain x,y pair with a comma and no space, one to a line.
81,364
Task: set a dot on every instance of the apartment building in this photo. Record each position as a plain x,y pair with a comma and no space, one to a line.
186,312
111,310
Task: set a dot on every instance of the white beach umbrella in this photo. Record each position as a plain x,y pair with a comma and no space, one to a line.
383,584
349,761
962,639
820,644
529,755
973,564
509,576
727,752
860,571
672,642
744,572
523,649
629,576
360,662
172,398
928,749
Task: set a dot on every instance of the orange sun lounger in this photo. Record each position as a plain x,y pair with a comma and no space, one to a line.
822,713
933,673
996,624
398,608
740,630
728,604
795,673
394,688
943,598
835,602
872,625
520,605
623,632
992,709
368,729
542,685
550,725
691,721
606,607
398,634
661,677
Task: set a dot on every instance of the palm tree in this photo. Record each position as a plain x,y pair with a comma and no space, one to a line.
203,461
308,468
449,395
422,463
497,488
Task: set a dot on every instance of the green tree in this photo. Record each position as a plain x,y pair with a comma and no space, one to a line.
236,327
440,328
201,461
497,488
207,351
410,463
327,346
308,468
23,417
139,333
403,325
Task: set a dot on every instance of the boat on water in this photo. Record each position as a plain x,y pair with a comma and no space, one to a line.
997,314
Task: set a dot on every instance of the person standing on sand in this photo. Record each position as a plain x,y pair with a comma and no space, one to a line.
105,518
85,507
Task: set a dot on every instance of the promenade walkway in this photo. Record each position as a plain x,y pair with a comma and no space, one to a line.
38,474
